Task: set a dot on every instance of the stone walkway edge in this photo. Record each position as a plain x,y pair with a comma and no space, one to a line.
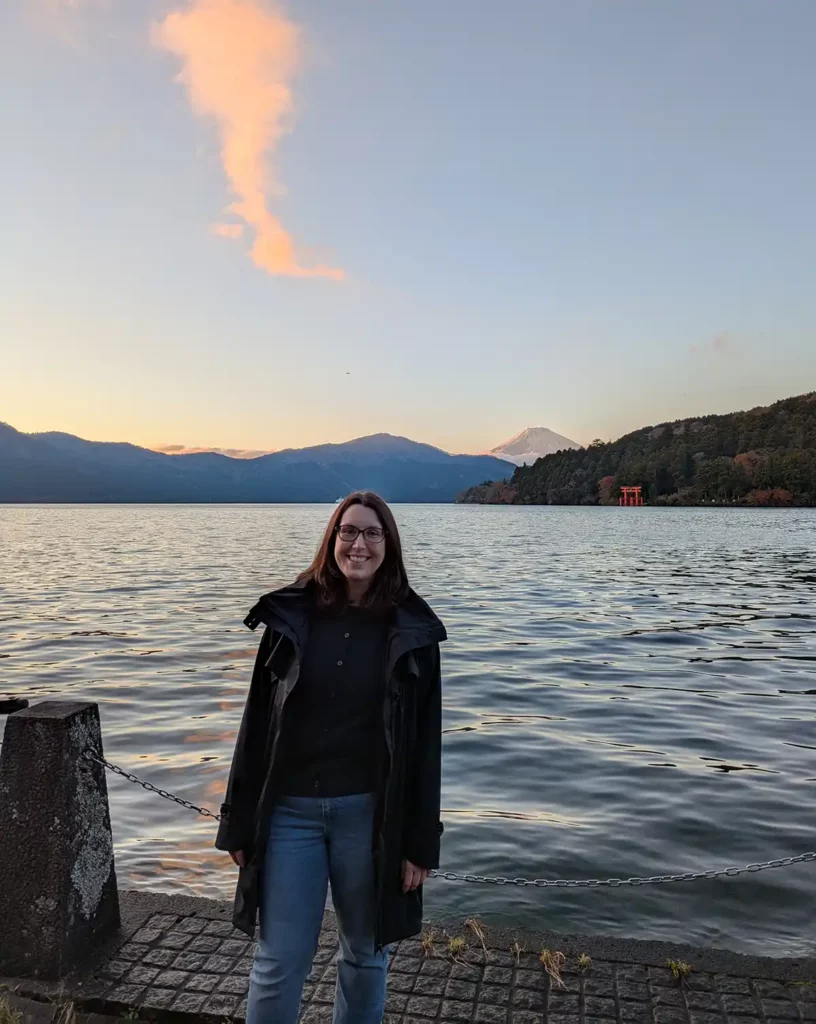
180,959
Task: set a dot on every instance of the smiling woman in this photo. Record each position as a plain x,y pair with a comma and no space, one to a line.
337,767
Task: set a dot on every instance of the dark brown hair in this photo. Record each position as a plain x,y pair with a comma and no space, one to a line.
390,585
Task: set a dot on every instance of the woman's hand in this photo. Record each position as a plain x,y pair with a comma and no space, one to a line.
412,876
238,857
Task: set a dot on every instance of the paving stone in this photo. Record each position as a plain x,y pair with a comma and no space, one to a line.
604,987
219,963
204,944
453,1010
780,1009
601,969
409,965
460,990
700,982
157,998
174,940
668,997
160,957
633,972
423,985
147,935
141,975
117,969
635,1013
466,972
422,1006
563,1002
126,995
703,1017
491,1014
191,925
636,991
670,1015
324,994
221,1004
172,979
322,956
808,1011
233,947
770,989
188,1002
435,968
735,986
500,959
395,1002
203,982
132,951
162,921
531,979
410,948
661,976
742,1020
235,985
744,1006
189,961
558,1018
316,973
703,1001
495,995
222,928
595,1007
531,999
498,975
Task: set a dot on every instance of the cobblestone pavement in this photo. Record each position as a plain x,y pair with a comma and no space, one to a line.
194,965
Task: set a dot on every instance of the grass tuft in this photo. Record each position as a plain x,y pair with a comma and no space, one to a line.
584,962
554,963
8,1015
478,930
457,945
516,950
679,968
428,940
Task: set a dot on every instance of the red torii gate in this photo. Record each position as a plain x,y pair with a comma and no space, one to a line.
630,496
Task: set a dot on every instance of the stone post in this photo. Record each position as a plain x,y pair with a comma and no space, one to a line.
58,892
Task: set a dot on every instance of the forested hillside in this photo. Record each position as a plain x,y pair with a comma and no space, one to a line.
765,456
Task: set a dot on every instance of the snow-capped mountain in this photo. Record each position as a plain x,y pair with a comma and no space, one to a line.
531,444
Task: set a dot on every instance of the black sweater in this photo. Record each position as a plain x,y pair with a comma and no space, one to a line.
333,733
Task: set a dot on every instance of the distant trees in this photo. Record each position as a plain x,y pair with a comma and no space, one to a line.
765,456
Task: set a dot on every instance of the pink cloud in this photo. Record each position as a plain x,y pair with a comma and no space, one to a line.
238,58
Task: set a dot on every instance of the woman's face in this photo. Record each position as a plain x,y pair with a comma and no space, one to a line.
359,559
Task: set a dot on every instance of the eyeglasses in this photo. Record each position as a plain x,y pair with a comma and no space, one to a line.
372,534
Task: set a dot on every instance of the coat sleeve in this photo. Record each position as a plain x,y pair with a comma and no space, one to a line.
237,828
422,827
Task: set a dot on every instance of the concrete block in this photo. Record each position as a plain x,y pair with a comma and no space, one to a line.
57,879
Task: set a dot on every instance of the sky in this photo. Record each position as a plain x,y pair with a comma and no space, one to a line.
250,225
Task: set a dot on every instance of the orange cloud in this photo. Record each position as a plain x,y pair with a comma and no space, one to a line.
238,58
227,230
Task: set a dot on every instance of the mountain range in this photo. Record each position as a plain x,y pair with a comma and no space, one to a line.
531,444
57,467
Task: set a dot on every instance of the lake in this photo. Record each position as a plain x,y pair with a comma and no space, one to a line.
626,692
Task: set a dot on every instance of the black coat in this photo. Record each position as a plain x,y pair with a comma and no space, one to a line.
407,821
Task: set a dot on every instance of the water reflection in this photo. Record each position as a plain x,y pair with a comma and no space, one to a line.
624,694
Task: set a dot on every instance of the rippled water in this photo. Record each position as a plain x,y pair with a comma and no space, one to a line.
627,692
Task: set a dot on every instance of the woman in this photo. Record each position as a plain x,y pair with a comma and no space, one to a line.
336,773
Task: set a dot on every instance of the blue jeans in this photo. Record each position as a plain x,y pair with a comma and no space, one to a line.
314,842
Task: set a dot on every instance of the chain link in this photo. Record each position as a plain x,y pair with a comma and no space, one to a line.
538,883
93,756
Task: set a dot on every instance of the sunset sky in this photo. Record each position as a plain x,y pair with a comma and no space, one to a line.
253,225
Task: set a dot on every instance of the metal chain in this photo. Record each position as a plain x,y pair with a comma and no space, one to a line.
539,883
93,756
614,883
